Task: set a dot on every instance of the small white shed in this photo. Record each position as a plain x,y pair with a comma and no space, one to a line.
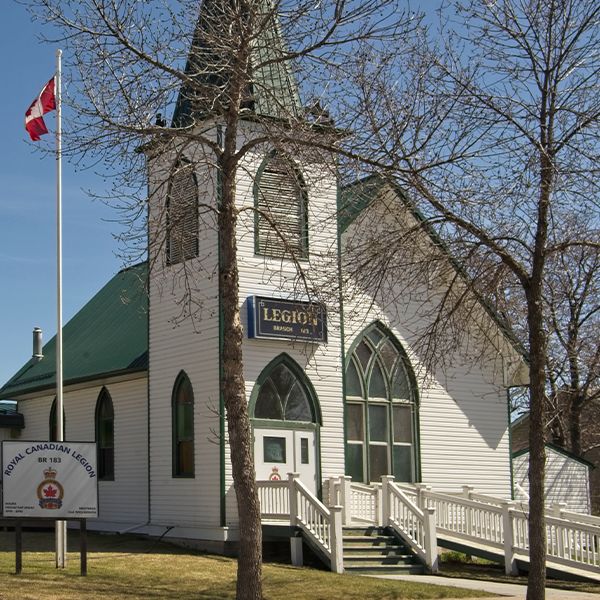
567,478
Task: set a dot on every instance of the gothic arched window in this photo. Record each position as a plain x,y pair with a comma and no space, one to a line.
283,397
105,436
281,223
183,427
381,409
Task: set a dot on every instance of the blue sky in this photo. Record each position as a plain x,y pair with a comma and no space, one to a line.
28,206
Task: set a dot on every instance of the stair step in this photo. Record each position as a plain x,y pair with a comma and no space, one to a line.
372,549
364,530
381,550
366,539
404,569
379,560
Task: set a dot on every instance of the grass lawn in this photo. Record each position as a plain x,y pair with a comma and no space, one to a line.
457,564
130,568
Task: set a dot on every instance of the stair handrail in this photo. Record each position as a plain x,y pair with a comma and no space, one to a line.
321,525
415,526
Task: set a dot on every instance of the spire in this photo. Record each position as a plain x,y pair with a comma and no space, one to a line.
271,90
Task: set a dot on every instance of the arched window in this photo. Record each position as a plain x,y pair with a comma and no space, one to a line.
281,224
53,425
183,427
105,436
182,214
282,396
381,409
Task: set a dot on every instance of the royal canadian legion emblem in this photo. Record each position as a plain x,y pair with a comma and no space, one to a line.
50,492
274,476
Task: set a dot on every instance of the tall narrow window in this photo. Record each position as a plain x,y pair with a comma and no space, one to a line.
183,427
381,409
53,425
182,214
281,210
105,436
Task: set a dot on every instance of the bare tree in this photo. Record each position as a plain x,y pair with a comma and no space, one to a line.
129,63
491,126
573,308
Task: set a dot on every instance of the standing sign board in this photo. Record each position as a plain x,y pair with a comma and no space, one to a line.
50,480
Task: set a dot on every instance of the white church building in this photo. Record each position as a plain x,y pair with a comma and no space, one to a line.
335,386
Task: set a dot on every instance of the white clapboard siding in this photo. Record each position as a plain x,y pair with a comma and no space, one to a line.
36,412
124,500
463,410
278,278
179,342
567,480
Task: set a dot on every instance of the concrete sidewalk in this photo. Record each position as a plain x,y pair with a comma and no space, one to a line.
510,591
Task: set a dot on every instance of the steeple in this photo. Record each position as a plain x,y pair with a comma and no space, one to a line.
270,91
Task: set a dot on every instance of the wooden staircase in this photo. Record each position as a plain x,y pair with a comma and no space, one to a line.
372,549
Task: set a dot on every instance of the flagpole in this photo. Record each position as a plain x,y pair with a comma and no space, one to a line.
61,526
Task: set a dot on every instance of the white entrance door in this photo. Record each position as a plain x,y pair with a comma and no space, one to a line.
278,452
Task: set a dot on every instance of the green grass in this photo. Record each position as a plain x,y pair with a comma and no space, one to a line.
457,564
131,568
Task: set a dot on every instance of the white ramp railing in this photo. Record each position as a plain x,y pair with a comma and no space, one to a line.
484,523
573,539
569,543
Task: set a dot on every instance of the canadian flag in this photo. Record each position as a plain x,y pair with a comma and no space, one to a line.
45,102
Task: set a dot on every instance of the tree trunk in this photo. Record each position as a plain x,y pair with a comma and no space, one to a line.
536,584
537,450
249,574
575,407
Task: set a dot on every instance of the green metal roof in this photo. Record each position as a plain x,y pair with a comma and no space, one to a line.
109,335
272,91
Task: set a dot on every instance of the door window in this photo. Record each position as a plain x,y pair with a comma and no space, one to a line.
274,449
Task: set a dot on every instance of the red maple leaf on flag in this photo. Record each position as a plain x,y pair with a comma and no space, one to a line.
50,492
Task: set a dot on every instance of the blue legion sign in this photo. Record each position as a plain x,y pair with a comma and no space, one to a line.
287,319
50,480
